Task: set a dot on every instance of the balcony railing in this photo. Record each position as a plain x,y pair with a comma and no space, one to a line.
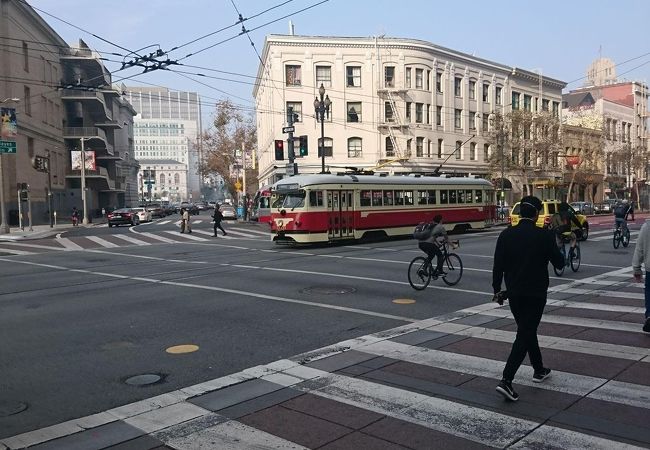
76,94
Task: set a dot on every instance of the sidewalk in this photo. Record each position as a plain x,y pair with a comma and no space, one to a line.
41,231
429,384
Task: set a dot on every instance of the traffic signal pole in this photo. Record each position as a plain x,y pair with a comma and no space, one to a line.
290,154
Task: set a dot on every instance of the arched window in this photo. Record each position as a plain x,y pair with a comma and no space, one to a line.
354,147
328,147
162,179
177,178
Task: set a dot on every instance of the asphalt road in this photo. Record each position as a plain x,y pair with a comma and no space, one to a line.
74,325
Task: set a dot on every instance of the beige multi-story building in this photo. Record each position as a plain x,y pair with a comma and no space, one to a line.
167,178
397,105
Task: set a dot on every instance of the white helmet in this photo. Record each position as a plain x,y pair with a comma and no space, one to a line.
625,201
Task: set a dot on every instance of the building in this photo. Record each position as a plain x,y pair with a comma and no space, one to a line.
397,105
163,180
619,110
584,150
163,108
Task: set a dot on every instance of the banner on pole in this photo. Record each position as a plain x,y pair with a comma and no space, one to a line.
76,160
9,125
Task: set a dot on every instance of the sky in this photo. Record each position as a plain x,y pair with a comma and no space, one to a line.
559,37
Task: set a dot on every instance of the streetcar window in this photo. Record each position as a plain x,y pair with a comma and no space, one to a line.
444,197
265,202
290,200
365,197
399,197
452,196
315,198
422,197
376,198
479,197
468,196
461,196
388,198
432,197
408,198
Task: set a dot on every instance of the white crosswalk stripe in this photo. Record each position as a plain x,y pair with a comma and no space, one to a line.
208,233
130,239
14,251
182,236
102,242
158,238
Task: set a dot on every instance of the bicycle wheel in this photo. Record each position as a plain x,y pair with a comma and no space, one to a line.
625,240
617,238
575,260
419,273
453,268
559,272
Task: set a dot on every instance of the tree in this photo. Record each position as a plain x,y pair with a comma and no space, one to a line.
230,129
585,149
631,161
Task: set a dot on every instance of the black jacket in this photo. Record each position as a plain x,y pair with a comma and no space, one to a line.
217,216
521,256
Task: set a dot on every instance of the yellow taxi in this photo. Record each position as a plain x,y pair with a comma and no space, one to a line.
550,207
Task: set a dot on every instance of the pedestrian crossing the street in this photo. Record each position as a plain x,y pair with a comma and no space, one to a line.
427,384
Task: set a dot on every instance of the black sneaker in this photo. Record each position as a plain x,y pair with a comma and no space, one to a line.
505,388
538,377
646,326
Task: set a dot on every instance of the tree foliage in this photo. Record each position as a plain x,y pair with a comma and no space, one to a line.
223,141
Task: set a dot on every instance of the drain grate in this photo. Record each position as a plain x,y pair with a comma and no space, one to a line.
329,290
9,409
144,379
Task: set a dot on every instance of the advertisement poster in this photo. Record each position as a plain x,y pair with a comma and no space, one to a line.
76,160
9,126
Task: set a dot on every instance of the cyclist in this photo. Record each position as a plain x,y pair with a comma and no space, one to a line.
621,211
561,224
431,245
75,216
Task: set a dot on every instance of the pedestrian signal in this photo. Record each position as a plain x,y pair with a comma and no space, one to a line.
304,151
279,150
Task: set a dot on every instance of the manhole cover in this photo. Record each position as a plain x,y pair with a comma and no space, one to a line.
329,290
404,301
143,380
179,349
9,409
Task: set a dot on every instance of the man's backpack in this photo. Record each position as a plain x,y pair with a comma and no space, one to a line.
423,231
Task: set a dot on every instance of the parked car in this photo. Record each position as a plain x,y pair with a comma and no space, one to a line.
584,208
143,214
228,212
191,207
156,210
607,207
123,216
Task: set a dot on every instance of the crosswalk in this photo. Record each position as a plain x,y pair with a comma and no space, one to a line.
148,236
430,384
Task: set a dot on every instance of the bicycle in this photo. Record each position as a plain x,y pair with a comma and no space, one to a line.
572,260
621,237
421,271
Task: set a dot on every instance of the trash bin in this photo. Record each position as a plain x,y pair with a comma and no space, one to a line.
240,211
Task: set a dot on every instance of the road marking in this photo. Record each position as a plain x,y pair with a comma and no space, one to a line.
68,244
163,222
261,233
239,233
102,242
160,238
130,239
45,247
16,251
183,236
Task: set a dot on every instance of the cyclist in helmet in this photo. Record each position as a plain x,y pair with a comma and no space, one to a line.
562,222
621,212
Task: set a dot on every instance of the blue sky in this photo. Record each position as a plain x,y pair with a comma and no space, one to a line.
559,37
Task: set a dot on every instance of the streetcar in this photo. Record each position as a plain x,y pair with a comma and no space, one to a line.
325,208
261,208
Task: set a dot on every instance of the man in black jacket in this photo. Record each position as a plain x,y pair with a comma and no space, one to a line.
521,256
217,217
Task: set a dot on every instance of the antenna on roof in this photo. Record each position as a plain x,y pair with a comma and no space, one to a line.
291,28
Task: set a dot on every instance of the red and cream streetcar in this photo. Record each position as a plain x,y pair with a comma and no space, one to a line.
261,210
324,208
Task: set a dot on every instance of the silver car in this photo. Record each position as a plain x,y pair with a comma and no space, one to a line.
584,208
228,212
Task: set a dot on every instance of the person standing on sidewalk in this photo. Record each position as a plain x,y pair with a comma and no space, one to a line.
521,256
642,256
217,217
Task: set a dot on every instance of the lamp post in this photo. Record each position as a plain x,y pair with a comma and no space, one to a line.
83,184
321,106
49,189
4,224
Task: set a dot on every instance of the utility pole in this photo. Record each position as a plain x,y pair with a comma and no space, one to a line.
83,183
49,189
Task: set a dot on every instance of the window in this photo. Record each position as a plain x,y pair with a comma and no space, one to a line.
428,114
458,149
526,131
429,148
353,76
457,118
486,92
468,196
458,86
315,198
515,100
162,179
388,112
354,111
418,78
439,115
544,104
388,198
389,76
485,125
354,147
364,198
30,147
444,197
293,75
472,90
408,111
408,146
472,120
472,151
297,110
440,146
376,198
452,196
427,197
323,76
390,151
556,109
327,147
177,178
419,147
486,152
408,78
428,80
27,93
497,95
460,196
418,112
478,196
528,104
25,57
439,82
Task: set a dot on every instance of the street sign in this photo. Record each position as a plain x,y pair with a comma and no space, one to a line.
288,129
8,146
292,169
238,186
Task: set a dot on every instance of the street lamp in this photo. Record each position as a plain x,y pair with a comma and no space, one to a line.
321,106
84,202
4,224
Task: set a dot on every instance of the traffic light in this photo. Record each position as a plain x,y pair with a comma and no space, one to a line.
304,151
24,189
279,150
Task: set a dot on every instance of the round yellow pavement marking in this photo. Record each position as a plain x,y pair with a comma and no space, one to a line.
404,301
178,349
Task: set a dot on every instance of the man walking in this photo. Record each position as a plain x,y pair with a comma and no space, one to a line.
185,221
521,257
217,217
642,256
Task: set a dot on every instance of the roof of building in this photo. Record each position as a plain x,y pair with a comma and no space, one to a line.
577,99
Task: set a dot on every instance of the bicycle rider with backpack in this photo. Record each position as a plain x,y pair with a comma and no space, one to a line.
561,224
429,242
621,211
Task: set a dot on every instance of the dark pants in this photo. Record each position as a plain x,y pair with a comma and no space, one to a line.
647,295
218,225
528,313
432,251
